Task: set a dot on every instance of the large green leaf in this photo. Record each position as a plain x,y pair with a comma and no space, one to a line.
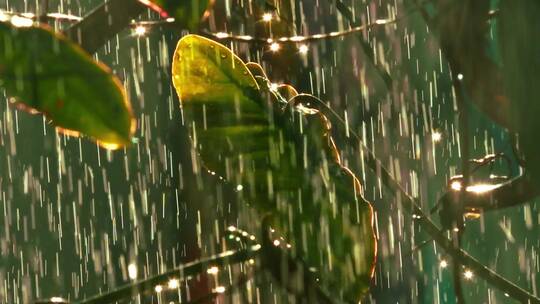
284,158
186,12
43,71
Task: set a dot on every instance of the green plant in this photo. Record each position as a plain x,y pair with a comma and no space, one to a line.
247,132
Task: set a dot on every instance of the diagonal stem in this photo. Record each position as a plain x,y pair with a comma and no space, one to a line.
190,269
368,51
457,254
104,23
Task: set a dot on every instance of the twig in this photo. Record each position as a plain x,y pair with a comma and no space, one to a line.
457,254
347,13
226,290
298,39
512,193
47,17
456,272
103,23
190,269
42,15
411,205
464,145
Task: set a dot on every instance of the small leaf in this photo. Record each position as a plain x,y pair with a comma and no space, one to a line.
284,158
186,12
43,71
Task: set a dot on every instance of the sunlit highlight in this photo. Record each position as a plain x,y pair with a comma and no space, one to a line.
3,17
222,35
132,271
267,17
173,284
472,215
455,185
443,264
481,188
212,270
18,21
140,30
383,21
436,136
220,289
274,47
303,49
476,189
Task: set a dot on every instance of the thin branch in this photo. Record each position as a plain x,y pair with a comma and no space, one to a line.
43,9
187,270
512,193
411,205
47,17
456,273
463,121
307,38
457,254
103,23
209,298
368,51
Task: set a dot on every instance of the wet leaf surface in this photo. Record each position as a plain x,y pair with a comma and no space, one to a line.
42,71
283,157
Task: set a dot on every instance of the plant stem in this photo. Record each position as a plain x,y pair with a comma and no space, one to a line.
457,254
103,23
368,51
187,270
43,10
463,122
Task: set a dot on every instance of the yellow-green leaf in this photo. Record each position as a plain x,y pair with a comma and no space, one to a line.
284,158
43,71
